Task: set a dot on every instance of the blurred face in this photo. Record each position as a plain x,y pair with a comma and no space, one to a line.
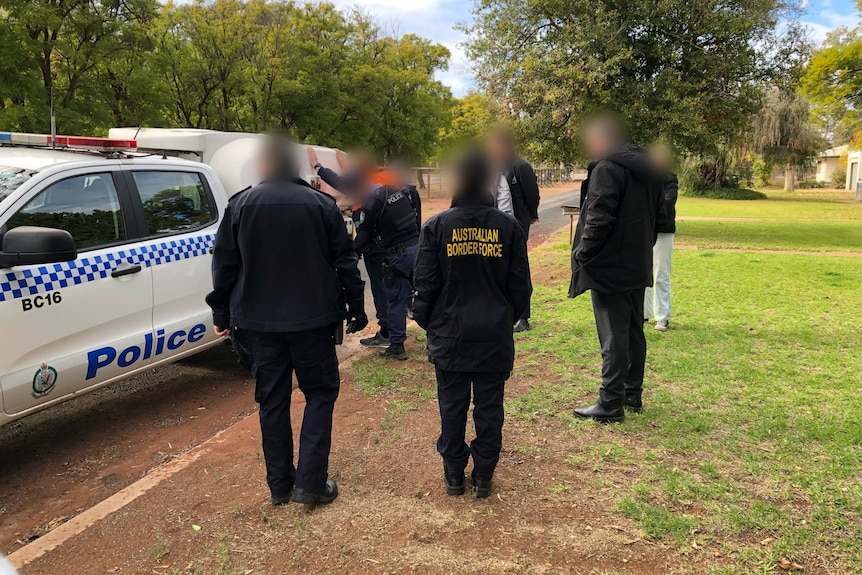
598,143
661,157
500,149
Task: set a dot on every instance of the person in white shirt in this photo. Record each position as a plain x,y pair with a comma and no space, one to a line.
517,191
657,300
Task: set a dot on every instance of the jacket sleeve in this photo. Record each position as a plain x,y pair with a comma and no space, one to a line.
345,184
603,199
371,210
345,262
671,191
519,285
529,187
226,265
427,276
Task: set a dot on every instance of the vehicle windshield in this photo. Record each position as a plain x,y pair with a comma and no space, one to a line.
11,179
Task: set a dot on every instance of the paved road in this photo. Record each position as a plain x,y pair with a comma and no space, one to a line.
551,217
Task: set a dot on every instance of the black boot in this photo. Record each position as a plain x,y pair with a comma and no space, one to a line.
454,480
633,402
481,485
394,351
601,412
330,492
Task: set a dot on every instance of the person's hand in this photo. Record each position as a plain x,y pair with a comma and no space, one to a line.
312,156
534,220
340,158
221,331
356,322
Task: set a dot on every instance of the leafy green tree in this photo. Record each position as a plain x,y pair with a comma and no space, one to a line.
784,135
833,83
687,71
62,46
472,117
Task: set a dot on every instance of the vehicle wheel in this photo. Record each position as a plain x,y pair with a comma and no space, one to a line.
241,342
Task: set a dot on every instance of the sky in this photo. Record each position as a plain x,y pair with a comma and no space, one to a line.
436,19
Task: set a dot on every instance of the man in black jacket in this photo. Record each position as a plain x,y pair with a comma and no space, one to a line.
472,280
657,300
516,192
612,257
282,265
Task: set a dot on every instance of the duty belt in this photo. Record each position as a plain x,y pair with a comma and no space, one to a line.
403,245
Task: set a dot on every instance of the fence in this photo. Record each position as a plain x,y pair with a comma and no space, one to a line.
435,182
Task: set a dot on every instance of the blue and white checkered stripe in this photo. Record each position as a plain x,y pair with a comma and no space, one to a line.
31,281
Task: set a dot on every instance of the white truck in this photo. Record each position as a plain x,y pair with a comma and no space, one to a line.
105,251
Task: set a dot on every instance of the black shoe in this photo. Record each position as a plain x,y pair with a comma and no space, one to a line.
377,341
283,500
394,351
481,485
454,480
603,413
309,498
522,325
633,403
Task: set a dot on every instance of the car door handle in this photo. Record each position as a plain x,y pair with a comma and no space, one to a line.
125,271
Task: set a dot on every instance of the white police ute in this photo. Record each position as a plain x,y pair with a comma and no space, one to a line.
104,264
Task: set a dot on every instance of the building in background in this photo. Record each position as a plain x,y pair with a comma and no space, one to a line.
829,161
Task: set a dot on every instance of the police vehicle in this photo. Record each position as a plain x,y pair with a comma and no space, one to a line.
105,256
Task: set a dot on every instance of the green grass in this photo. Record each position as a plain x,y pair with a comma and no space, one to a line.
800,205
772,235
753,426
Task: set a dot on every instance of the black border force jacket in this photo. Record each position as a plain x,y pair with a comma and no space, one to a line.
282,261
472,280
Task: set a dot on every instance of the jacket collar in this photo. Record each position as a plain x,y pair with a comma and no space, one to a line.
478,201
286,178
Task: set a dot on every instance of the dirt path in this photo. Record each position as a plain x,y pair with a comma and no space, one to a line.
767,251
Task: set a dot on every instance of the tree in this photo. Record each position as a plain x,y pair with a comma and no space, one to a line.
784,135
61,46
472,117
684,71
833,83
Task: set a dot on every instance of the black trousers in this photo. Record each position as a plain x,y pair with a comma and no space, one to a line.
374,256
619,321
311,354
453,394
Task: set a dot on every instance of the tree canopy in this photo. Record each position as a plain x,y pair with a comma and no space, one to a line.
309,70
691,72
833,83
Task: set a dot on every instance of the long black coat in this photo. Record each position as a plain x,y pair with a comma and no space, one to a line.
282,261
621,200
666,224
472,280
524,188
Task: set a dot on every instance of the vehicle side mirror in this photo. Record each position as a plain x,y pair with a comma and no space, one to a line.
29,245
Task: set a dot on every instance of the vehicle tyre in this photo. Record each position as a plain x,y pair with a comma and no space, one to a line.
241,342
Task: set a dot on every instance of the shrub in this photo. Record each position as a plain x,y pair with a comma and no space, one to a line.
811,185
839,178
689,180
726,194
762,173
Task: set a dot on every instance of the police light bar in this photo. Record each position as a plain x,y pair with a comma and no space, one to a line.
68,142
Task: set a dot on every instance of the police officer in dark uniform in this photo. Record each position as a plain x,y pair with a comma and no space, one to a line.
388,219
355,183
283,267
472,282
